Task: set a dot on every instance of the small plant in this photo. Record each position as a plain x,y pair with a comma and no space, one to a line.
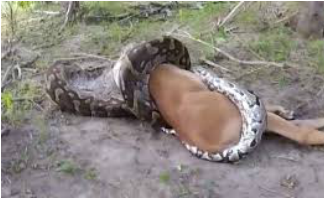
67,167
7,101
316,52
283,81
18,102
274,45
90,174
18,165
164,177
41,125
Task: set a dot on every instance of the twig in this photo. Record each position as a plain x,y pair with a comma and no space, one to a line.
26,64
320,92
68,14
51,13
17,75
231,14
7,53
31,100
5,80
230,57
173,29
208,62
286,158
5,77
249,73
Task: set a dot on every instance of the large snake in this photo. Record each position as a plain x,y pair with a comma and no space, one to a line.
131,74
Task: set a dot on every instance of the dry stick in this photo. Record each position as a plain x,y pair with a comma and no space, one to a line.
255,70
230,57
231,14
18,67
286,158
173,29
8,52
51,13
4,81
320,92
31,100
208,62
67,15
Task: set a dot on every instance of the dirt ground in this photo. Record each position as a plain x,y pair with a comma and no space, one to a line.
129,160
123,157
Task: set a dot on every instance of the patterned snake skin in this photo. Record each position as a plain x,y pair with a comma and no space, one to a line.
131,74
253,115
62,91
135,67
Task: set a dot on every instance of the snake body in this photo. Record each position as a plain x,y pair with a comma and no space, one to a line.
131,74
135,67
105,102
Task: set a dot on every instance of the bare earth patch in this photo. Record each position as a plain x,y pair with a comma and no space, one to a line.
75,156
130,160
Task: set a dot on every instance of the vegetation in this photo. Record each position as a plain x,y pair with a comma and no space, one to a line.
105,28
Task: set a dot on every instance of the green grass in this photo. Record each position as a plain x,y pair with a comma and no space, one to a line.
274,45
40,123
18,101
247,18
103,8
316,53
20,164
164,177
68,167
110,37
283,81
201,19
90,174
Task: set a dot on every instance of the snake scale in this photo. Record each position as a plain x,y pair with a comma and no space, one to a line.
131,74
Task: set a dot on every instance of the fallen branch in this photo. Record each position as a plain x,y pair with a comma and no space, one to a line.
210,63
29,63
11,69
249,73
67,16
7,53
30,100
320,92
16,72
232,58
5,77
286,158
231,14
51,13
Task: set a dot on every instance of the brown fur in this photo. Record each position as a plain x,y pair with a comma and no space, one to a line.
209,120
